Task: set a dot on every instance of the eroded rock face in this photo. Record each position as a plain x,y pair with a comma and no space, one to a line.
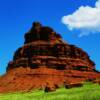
46,62
44,47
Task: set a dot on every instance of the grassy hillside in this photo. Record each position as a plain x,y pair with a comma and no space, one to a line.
87,92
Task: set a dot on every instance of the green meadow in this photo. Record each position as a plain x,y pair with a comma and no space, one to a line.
88,92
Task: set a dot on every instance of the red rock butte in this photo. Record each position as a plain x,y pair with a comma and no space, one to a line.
47,62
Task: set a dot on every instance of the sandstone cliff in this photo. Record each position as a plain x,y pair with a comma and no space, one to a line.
45,61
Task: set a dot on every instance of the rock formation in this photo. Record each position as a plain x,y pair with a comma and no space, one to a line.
45,61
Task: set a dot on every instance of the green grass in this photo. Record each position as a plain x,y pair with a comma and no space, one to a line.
87,92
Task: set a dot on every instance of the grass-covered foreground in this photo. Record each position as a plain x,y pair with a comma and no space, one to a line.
87,92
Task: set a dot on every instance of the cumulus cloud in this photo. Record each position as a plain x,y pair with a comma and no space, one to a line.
86,19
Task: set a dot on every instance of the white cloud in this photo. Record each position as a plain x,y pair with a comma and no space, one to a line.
86,19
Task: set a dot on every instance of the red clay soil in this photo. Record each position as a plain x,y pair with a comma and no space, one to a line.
24,80
46,62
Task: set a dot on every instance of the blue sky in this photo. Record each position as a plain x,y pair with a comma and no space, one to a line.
16,17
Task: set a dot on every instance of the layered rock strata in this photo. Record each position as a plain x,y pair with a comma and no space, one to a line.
46,62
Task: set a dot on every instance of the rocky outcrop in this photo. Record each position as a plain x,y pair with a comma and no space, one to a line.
44,47
46,62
